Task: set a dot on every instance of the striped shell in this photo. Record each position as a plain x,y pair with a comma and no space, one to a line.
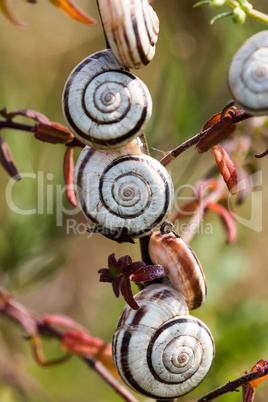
131,28
248,75
159,350
183,267
105,106
122,190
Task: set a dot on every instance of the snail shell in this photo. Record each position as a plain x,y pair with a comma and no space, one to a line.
131,27
103,105
159,350
183,268
123,190
248,75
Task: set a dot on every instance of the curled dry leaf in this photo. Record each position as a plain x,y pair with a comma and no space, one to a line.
39,355
185,210
228,220
68,173
73,11
6,9
14,310
84,345
204,186
226,168
149,273
250,387
63,321
259,367
218,130
262,154
53,133
7,161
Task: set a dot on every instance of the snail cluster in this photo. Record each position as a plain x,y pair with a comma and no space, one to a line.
119,189
160,350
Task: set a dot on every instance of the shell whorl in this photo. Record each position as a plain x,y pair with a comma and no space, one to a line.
248,75
159,350
131,29
103,105
121,190
183,268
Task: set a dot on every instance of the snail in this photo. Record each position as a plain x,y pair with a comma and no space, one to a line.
131,28
103,105
159,350
123,190
184,269
248,75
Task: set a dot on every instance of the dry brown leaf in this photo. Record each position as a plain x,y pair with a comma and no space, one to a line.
73,11
6,9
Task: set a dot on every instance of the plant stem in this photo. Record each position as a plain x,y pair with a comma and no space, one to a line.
181,148
233,385
144,241
232,3
10,124
255,14
16,126
169,157
29,321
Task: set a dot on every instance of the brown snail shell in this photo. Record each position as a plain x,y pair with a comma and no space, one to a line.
184,269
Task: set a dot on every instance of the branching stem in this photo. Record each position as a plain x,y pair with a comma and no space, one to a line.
28,320
194,140
233,385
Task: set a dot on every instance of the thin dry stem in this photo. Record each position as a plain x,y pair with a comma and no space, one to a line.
233,385
33,324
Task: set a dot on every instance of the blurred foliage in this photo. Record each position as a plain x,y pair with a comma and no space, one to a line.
52,267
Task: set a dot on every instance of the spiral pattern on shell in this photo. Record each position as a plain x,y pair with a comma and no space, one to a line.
131,29
103,105
159,350
248,75
121,190
183,268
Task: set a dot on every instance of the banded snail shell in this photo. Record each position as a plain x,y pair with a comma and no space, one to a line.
184,269
103,105
159,350
123,190
248,75
131,27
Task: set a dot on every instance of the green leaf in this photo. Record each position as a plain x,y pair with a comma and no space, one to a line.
220,16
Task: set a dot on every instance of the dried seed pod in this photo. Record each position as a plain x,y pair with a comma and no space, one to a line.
184,269
123,190
248,75
103,105
159,350
131,27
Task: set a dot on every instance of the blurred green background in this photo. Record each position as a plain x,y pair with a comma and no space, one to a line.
52,268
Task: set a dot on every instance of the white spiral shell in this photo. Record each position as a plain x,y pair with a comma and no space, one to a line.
248,75
131,27
159,350
183,268
123,190
103,105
